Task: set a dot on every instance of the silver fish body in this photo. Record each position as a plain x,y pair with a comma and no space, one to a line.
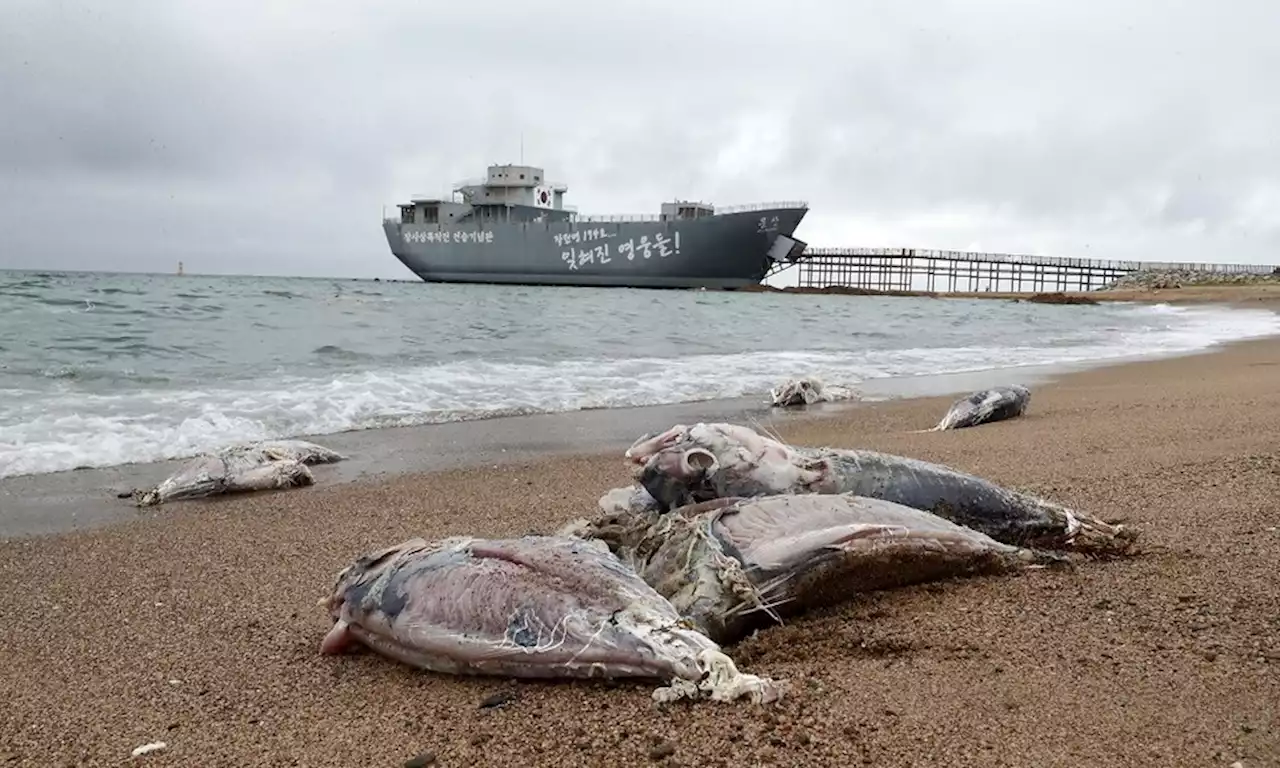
732,565
689,464
241,468
532,607
986,406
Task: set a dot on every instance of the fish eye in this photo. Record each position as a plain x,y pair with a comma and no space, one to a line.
700,459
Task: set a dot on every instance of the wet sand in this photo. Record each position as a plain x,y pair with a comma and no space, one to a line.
1247,295
197,624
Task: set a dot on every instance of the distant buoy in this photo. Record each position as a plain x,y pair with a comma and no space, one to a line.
179,268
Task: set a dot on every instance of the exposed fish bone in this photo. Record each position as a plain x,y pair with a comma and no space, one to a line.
532,607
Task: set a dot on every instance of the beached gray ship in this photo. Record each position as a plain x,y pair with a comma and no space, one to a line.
513,227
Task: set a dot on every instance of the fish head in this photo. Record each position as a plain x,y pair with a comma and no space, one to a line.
355,580
691,463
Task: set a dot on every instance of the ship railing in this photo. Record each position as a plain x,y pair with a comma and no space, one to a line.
439,194
607,217
719,210
761,206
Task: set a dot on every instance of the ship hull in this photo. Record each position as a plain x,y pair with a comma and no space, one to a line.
724,251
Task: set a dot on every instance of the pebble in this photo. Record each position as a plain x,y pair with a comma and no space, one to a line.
421,760
154,746
498,700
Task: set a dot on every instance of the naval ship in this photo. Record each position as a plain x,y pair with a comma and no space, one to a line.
513,227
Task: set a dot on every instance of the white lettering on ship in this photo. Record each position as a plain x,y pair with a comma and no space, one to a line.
767,224
441,236
581,236
644,247
579,257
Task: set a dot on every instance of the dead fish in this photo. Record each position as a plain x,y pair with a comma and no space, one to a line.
688,464
532,607
732,565
986,406
807,391
240,468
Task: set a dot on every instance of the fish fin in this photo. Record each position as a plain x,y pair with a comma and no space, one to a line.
337,639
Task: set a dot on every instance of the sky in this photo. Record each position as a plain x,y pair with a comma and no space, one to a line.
268,137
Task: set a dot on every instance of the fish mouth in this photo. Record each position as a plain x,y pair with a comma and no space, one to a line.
652,444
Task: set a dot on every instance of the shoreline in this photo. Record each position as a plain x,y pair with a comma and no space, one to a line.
85,499
196,624
56,452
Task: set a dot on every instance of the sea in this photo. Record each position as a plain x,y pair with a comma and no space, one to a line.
100,369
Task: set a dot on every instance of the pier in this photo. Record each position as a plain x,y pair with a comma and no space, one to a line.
916,269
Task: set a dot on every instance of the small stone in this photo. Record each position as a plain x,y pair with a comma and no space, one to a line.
498,700
479,739
421,760
664,749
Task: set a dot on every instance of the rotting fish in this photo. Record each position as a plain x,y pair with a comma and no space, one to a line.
631,499
245,467
732,565
807,390
985,406
689,464
531,607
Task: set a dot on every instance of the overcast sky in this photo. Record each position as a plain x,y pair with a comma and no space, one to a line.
246,136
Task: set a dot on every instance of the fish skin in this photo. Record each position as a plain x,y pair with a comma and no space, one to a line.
733,565
533,607
688,464
241,468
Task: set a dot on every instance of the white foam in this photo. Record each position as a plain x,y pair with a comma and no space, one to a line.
52,431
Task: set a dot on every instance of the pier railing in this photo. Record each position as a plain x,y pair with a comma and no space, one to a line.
919,269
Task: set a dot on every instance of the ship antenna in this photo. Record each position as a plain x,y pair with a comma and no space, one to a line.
522,147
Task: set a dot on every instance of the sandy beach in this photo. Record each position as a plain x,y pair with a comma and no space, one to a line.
197,625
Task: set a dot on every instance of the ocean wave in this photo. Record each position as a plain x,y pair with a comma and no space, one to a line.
50,431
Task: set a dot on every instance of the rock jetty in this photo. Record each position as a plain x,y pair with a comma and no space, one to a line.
1152,279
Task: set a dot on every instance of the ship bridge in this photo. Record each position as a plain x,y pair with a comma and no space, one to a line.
683,210
509,185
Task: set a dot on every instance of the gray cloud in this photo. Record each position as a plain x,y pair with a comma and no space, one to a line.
248,137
